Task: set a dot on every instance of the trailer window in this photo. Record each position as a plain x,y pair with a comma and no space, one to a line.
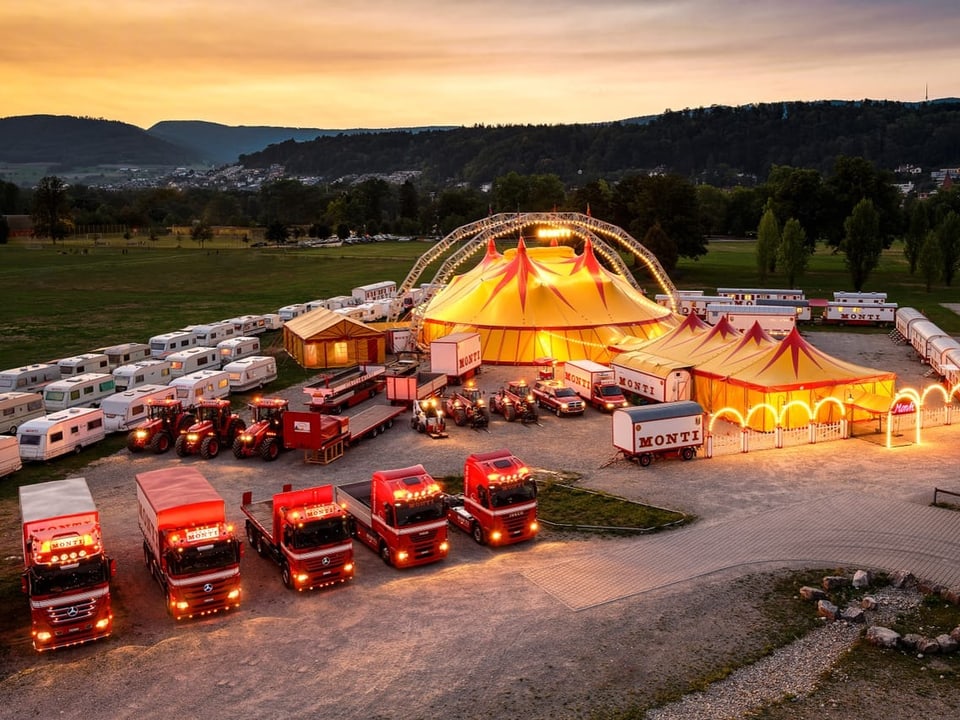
74,394
34,405
29,439
8,411
88,390
94,424
55,437
106,386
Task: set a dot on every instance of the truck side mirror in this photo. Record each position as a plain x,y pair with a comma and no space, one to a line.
113,568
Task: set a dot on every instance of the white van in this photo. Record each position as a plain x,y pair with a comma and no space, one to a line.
60,433
125,353
18,407
125,410
85,390
289,312
238,347
273,321
203,384
9,456
144,372
193,359
248,324
251,372
29,377
86,363
171,342
210,335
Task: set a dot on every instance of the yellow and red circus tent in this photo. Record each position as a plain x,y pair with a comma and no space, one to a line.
783,383
325,339
529,303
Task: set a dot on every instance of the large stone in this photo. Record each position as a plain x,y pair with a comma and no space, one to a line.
951,595
862,579
834,582
868,602
947,644
928,646
911,640
902,579
882,636
928,587
812,593
827,609
853,615
955,633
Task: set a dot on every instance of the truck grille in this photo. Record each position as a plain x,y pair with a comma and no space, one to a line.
333,561
424,543
74,613
515,526
209,596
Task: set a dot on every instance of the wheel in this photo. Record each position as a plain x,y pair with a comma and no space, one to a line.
478,534
238,448
558,412
160,442
285,576
209,447
390,423
510,413
374,431
132,444
269,449
180,446
645,459
146,555
77,449
460,417
251,536
261,548
687,453
13,430
385,554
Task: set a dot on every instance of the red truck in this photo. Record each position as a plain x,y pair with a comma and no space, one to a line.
188,545
498,505
66,570
336,390
304,532
399,514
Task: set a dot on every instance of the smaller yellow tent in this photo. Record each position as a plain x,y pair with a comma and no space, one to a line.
326,339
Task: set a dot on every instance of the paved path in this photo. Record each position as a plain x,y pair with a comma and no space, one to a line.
844,529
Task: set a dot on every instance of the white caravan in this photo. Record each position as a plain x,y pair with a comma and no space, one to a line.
18,407
59,433
273,321
238,347
289,312
193,359
123,411
85,390
210,335
144,372
29,377
202,385
86,363
171,342
125,353
251,372
249,324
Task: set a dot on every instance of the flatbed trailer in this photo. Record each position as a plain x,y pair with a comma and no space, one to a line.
335,391
324,438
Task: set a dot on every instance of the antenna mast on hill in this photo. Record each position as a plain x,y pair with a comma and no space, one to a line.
926,91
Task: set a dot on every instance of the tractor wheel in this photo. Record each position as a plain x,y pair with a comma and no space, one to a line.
509,413
460,417
180,446
478,534
238,449
269,449
209,447
132,444
160,443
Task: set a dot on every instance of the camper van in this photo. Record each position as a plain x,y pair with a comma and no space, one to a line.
171,342
248,324
59,433
273,321
144,372
238,347
18,407
9,456
125,353
86,363
123,411
203,384
29,377
85,390
289,312
210,335
193,359
251,372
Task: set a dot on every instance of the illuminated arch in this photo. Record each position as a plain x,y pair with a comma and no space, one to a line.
762,407
829,400
727,411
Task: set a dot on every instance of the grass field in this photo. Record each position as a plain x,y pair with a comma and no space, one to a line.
69,299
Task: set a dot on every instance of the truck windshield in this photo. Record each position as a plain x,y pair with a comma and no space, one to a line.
566,392
200,558
610,391
45,580
514,494
319,532
418,512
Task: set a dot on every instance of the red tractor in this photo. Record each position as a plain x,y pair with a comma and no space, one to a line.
467,407
166,419
216,425
514,401
265,436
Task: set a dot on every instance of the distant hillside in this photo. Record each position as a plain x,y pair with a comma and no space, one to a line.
73,142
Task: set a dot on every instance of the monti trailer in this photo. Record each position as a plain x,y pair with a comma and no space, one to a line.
499,501
336,390
304,532
644,432
399,514
59,433
66,570
595,383
188,545
457,356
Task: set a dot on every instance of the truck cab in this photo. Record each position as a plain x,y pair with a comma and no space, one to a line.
553,395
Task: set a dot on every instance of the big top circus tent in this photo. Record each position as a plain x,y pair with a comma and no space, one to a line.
530,302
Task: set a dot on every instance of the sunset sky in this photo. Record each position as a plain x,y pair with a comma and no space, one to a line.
401,63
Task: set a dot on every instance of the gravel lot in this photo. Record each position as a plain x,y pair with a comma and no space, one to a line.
466,638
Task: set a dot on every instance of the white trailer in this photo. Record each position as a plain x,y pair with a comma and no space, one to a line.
142,372
250,324
85,390
938,353
237,347
210,335
251,372
800,307
10,460
85,363
749,296
29,377
193,359
202,385
922,333
59,433
171,342
585,376
18,407
843,313
658,380
339,301
860,298
647,431
289,312
126,410
775,321
904,318
458,356
125,354
692,304
382,290
271,321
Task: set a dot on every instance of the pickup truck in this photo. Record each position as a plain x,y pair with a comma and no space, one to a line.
553,395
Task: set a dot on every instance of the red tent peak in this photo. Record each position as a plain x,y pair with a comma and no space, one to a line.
723,329
492,254
691,322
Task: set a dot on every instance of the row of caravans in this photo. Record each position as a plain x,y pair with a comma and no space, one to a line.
933,346
213,334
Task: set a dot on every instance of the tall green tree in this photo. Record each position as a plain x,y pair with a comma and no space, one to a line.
948,239
928,260
798,193
277,233
51,208
660,244
793,253
852,180
916,235
641,201
862,244
768,240
200,232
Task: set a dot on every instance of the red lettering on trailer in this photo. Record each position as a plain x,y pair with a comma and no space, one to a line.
687,436
467,360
